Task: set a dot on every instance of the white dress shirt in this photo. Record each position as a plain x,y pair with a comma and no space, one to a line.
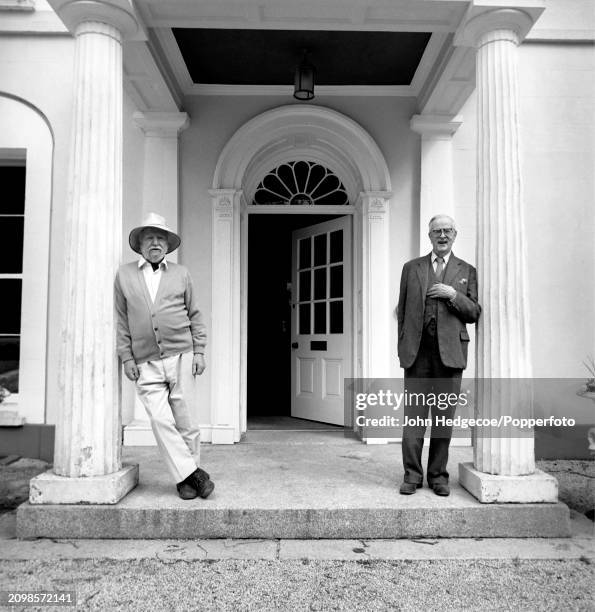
152,277
435,263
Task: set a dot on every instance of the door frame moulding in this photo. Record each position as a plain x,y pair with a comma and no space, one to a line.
246,211
342,144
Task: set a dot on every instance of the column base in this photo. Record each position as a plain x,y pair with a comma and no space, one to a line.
223,434
10,417
493,489
47,488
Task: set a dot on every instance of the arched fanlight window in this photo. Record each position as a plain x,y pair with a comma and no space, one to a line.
301,183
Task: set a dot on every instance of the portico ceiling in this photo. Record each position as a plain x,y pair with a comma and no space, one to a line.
268,57
382,47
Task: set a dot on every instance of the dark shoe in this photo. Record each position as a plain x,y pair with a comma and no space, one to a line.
202,483
441,489
186,490
202,473
409,488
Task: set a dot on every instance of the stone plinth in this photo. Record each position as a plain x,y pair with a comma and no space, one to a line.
48,488
283,484
538,487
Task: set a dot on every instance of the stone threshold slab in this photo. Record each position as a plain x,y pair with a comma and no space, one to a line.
193,521
323,550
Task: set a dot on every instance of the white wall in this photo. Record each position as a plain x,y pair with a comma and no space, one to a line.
214,119
25,136
558,163
39,70
558,141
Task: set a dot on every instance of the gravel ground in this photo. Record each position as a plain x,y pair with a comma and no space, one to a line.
312,585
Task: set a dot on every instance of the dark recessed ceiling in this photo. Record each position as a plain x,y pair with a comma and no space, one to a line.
269,57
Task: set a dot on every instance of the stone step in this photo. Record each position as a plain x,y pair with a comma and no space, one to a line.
422,521
293,485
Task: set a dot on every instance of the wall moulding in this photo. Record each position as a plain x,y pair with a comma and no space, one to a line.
338,136
163,124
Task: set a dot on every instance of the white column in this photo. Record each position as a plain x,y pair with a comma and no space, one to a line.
160,195
504,460
376,301
225,317
436,187
87,462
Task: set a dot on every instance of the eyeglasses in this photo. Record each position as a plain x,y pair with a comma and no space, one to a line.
448,231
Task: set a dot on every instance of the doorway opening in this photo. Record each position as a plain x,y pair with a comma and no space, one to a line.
273,304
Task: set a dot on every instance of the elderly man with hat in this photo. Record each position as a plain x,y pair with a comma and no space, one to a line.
159,326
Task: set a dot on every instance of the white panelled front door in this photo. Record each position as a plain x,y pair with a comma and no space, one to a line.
321,320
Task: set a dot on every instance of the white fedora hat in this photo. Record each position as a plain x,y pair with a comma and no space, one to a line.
156,222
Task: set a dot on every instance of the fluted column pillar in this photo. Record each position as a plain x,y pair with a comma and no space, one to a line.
504,460
87,459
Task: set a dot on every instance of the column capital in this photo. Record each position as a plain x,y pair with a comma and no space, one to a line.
374,201
119,14
508,23
436,127
225,202
161,124
224,197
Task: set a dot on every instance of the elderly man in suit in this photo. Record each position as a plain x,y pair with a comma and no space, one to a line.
438,297
159,331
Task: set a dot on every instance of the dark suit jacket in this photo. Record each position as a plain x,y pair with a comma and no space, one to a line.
451,329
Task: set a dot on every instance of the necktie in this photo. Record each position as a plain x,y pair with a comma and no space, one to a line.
439,268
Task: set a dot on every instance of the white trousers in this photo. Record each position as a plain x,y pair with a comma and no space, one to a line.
160,388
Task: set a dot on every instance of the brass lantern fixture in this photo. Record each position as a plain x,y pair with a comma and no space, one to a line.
303,86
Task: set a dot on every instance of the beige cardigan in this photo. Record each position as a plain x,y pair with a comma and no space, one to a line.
170,326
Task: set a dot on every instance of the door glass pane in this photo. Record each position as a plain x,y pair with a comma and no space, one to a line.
305,286
11,228
304,324
9,363
305,253
320,318
336,246
320,250
336,288
10,290
320,284
336,317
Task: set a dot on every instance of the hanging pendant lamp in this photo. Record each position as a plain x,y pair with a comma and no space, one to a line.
303,86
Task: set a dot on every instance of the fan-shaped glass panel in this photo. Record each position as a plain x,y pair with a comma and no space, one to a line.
301,183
